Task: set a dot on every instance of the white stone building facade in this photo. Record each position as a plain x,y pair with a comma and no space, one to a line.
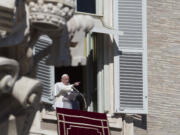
112,67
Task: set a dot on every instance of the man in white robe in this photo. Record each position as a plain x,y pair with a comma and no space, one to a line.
64,93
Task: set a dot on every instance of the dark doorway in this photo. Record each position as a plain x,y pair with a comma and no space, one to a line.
88,6
75,74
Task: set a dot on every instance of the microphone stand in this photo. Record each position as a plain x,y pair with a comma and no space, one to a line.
76,90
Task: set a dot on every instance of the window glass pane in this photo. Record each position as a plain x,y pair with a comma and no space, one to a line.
88,6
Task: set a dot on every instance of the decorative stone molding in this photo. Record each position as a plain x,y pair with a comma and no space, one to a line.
50,15
14,22
7,10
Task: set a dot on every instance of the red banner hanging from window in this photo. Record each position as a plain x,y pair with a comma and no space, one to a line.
75,122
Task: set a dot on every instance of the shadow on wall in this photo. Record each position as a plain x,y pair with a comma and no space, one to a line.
103,54
140,121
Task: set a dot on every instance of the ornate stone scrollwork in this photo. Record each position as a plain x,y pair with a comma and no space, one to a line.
19,96
9,70
31,93
50,15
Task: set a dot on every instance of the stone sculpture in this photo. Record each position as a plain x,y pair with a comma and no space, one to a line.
21,24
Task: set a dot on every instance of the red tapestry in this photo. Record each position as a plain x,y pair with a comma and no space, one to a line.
75,122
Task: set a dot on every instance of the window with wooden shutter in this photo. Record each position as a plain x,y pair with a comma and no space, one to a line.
131,63
45,73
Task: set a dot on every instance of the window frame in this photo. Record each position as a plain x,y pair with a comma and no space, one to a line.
117,109
99,9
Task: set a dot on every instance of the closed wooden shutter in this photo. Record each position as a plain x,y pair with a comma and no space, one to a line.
131,63
45,73
130,22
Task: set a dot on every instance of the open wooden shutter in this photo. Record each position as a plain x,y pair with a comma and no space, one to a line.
131,63
45,73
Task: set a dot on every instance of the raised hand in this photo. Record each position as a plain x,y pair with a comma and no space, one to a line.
76,84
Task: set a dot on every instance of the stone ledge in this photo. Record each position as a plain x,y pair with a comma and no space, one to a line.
48,115
115,122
